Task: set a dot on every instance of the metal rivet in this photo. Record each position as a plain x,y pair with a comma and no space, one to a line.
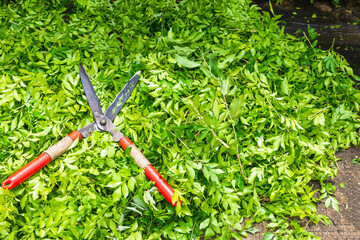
96,114
103,122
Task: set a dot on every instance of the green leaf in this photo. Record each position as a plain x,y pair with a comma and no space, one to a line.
186,62
216,109
196,36
205,223
103,153
215,70
235,108
253,230
209,233
327,202
240,96
268,236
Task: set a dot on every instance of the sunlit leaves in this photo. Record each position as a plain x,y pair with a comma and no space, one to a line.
204,69
186,62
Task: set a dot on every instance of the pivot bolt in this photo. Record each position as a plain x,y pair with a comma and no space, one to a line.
102,121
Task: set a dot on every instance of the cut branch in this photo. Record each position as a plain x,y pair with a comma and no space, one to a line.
227,108
212,131
184,145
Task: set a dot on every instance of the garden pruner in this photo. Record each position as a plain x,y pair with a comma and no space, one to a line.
103,123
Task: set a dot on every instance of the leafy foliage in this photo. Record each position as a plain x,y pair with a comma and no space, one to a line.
220,82
356,160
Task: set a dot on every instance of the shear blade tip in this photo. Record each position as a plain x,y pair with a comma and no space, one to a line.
138,73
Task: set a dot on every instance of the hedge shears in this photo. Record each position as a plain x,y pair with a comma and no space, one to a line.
103,123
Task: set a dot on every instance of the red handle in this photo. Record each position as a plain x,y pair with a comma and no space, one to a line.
35,165
27,171
164,188
139,158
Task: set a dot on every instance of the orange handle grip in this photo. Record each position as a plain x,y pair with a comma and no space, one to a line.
27,171
164,188
39,162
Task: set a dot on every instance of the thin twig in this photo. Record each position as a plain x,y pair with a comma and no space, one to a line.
237,141
308,40
7,64
270,103
319,111
185,145
57,38
212,131
233,125
180,140
274,108
93,79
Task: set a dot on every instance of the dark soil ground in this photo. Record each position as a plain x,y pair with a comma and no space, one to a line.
346,222
338,27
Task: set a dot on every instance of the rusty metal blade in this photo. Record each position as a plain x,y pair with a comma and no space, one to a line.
122,97
87,130
91,96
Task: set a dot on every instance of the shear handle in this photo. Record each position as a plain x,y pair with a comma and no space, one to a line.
41,161
141,161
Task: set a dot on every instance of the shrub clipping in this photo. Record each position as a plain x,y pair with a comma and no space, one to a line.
239,117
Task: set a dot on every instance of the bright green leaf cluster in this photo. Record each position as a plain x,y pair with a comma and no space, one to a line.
221,84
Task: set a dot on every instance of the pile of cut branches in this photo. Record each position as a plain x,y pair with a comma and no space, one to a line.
236,115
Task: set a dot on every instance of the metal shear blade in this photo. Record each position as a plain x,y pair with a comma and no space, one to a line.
104,122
